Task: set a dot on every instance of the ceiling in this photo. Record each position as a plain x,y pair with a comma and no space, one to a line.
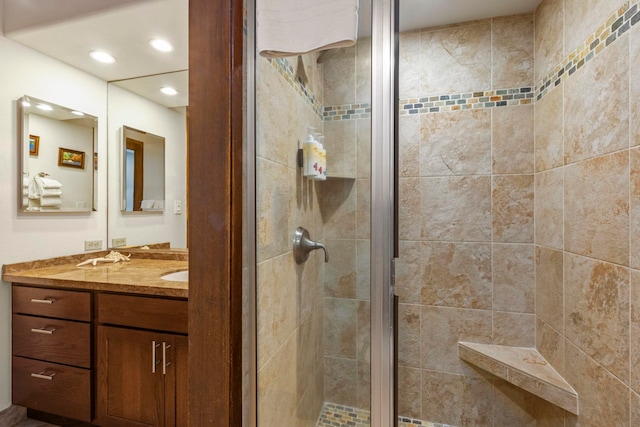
69,29
415,14
123,28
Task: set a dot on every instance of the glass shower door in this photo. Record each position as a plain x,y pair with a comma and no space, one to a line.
313,318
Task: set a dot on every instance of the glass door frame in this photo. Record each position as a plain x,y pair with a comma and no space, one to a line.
382,213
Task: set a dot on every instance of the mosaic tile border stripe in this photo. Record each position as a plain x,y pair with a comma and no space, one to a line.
615,26
467,100
347,111
286,70
344,416
438,103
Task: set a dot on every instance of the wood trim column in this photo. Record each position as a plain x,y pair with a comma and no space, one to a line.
215,212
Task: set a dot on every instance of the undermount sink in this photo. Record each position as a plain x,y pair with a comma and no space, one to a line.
178,276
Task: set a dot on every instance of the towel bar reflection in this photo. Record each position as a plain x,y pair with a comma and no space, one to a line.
302,245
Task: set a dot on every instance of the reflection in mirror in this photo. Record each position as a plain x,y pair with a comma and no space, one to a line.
127,108
59,164
143,171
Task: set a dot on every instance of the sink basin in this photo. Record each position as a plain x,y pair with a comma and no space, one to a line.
178,276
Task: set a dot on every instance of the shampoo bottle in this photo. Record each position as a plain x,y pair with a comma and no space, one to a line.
323,159
309,155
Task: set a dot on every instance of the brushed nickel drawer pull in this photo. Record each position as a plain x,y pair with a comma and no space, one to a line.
165,347
44,376
43,331
153,356
43,301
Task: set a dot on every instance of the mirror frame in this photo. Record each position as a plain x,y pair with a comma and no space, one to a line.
27,105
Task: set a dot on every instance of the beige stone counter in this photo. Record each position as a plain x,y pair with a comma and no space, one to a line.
137,276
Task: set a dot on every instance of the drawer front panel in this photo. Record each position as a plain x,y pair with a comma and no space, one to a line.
57,303
53,340
52,388
143,312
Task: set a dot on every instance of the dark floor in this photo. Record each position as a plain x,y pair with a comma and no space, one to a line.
33,423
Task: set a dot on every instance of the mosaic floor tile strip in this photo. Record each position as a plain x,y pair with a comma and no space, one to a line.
338,416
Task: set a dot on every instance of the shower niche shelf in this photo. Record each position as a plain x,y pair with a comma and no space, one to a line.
523,367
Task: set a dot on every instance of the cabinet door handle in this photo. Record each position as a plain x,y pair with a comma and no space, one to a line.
154,362
43,301
43,331
165,347
43,376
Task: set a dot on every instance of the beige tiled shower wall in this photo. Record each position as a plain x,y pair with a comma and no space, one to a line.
289,296
345,215
587,185
482,260
467,254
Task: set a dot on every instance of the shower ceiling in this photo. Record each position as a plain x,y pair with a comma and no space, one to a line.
415,14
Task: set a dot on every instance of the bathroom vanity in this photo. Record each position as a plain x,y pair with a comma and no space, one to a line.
104,344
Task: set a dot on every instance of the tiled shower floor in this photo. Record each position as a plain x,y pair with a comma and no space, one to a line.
338,416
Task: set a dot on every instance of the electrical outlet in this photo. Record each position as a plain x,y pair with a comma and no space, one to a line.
177,207
92,245
119,241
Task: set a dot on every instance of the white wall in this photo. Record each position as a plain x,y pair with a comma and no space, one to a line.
29,237
128,109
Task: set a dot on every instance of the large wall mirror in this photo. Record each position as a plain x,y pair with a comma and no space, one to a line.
58,158
134,100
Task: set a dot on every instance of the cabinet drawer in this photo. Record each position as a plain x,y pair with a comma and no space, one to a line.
53,340
143,312
72,305
52,388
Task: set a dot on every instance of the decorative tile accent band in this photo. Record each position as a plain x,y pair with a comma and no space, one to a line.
347,111
615,26
467,100
286,70
438,103
344,416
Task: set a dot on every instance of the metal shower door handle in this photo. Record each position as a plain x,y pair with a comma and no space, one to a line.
302,245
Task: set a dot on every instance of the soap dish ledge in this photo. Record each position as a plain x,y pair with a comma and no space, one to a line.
523,367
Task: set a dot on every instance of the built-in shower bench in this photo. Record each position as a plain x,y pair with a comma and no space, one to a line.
523,367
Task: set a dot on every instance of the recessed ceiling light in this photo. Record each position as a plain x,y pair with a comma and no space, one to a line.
45,107
102,57
161,45
78,113
168,91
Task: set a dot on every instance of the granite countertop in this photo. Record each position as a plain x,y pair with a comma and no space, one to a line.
137,276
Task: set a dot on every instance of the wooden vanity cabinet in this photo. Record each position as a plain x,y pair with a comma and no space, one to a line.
52,365
141,361
113,360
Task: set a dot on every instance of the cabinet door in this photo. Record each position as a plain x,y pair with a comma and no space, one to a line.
176,388
130,381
